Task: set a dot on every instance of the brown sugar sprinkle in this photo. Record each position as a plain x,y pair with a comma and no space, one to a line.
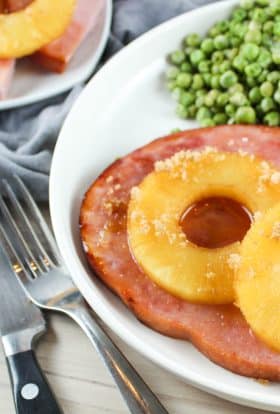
109,179
234,261
268,175
275,234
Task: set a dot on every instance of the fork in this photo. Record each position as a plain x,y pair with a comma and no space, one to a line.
33,255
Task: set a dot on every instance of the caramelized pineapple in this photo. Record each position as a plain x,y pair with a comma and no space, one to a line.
27,30
257,282
156,237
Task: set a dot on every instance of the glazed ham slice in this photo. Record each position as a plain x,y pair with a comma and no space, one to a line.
7,67
220,331
56,55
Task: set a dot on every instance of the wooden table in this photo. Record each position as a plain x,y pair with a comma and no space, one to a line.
83,385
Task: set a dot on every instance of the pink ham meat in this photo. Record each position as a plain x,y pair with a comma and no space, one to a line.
220,332
56,55
7,67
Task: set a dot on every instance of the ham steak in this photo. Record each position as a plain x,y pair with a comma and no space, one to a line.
220,332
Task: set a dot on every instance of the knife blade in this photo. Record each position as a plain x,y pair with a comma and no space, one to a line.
21,323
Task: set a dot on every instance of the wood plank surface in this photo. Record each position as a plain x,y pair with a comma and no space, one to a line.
83,385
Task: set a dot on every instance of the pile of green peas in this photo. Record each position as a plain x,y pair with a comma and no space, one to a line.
232,75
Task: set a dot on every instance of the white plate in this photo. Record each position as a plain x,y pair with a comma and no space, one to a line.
31,84
125,106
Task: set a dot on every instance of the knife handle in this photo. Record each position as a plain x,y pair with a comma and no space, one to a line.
31,391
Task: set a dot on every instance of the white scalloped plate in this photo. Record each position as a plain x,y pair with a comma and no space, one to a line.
123,107
31,84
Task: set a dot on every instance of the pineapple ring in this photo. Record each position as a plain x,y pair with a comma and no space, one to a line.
27,30
257,279
157,242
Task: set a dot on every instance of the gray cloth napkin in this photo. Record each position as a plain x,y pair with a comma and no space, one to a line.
28,135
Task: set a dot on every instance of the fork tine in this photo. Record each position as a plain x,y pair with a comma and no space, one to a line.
38,218
23,217
24,251
18,267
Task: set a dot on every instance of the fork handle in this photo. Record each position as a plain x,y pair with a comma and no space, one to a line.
32,394
136,393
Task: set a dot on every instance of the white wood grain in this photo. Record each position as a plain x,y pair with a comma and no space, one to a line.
83,385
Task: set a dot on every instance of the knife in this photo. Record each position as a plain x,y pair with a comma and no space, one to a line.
20,323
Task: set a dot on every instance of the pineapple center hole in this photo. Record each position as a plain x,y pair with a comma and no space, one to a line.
215,222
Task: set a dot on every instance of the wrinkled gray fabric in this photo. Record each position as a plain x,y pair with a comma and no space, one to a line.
28,135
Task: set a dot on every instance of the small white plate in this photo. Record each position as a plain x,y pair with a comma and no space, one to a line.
31,84
123,107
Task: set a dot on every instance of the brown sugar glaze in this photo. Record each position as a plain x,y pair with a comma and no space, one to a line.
215,222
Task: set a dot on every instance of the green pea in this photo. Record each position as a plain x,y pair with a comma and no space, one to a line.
211,97
222,26
192,111
262,2
238,87
276,96
276,55
187,98
197,56
214,31
263,76
265,58
267,104
272,118
225,66
251,82
177,57
204,66
259,15
253,70
250,51
239,63
207,45
267,89
235,41
230,110
215,81
268,27
172,72
239,14
208,122
245,115
176,93
220,118
221,42
217,57
188,50
238,99
247,4
273,76
182,111
228,79
171,85
253,36
203,113
193,40
199,101
267,40
231,53
186,67
207,77
198,82
255,95
276,29
222,99
184,80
